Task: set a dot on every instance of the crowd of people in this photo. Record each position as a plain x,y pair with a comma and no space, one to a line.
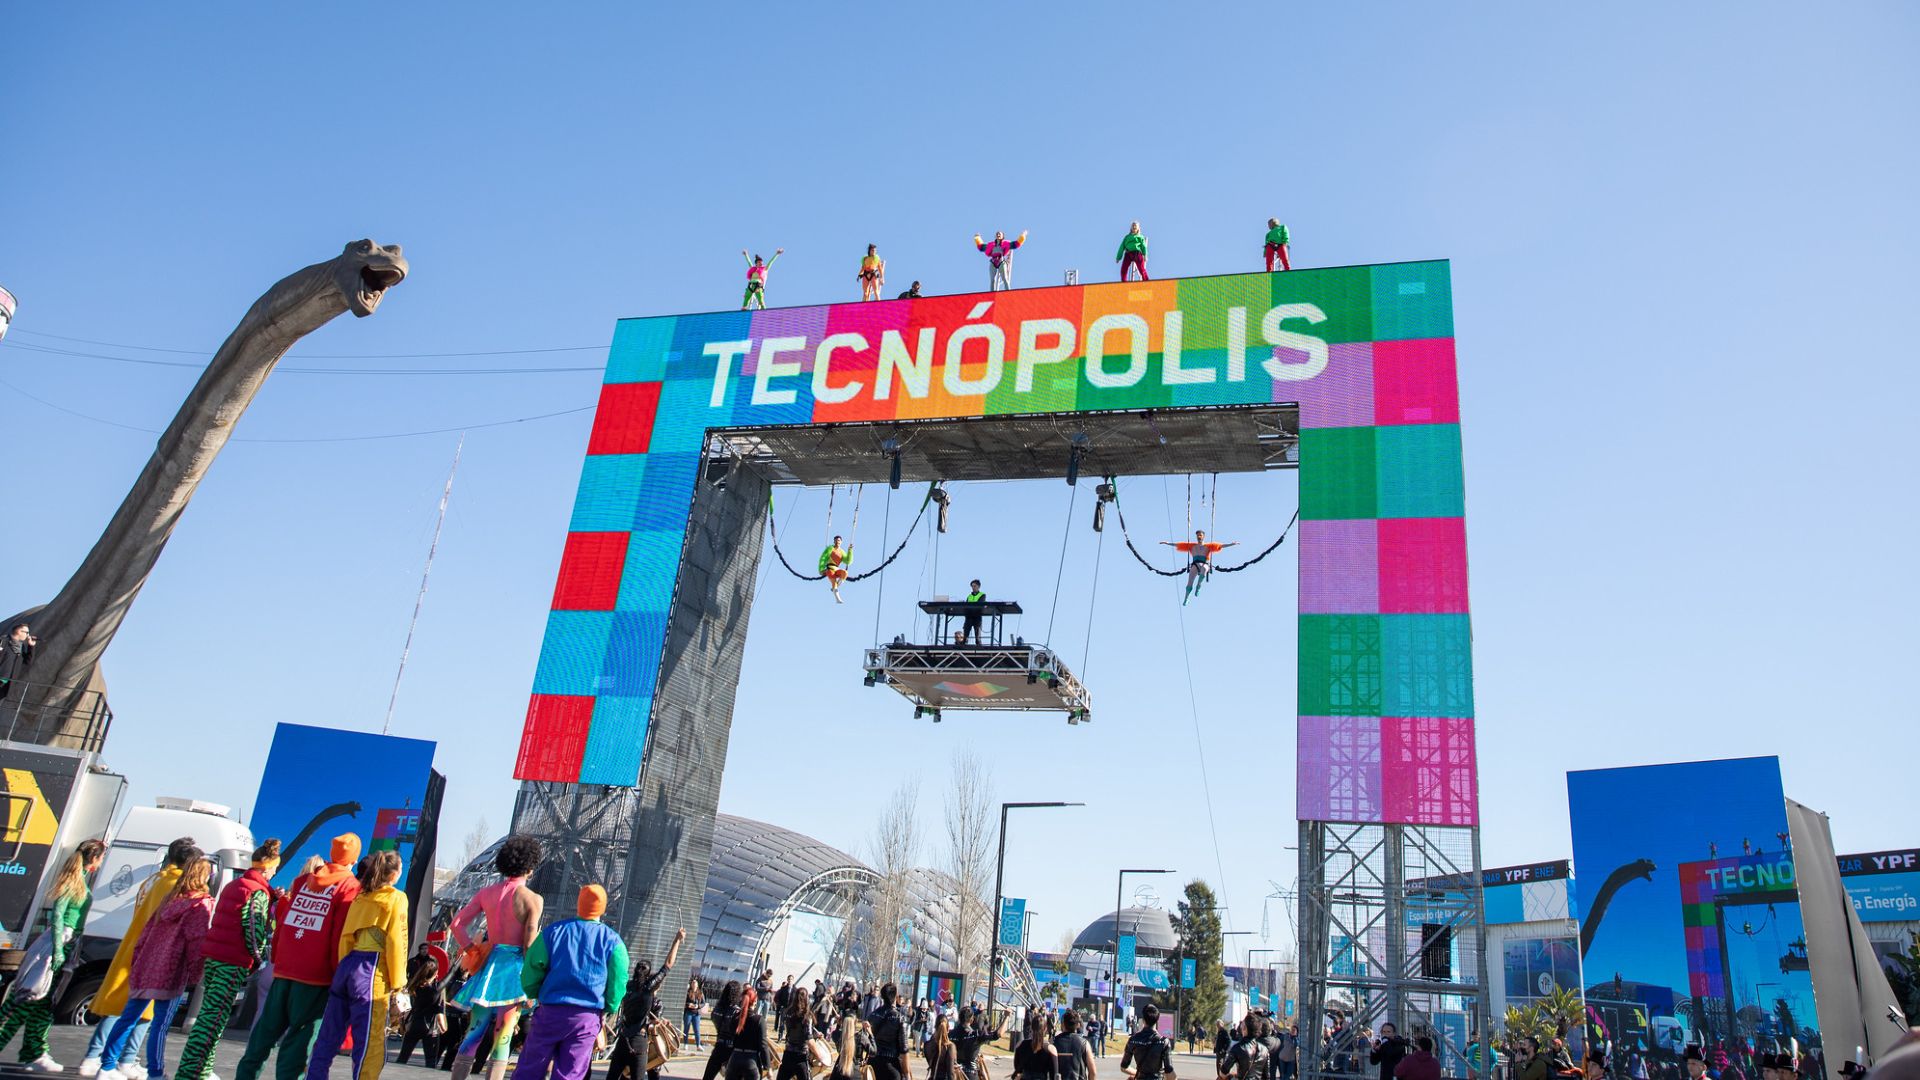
1131,257
328,961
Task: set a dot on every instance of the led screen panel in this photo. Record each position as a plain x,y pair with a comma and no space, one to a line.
1690,920
1385,695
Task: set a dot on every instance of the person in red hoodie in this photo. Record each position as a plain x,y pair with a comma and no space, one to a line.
1419,1065
242,929
306,948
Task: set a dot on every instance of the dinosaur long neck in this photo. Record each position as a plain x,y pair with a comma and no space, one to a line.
75,629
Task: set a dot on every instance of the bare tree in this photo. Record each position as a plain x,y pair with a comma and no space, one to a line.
893,849
970,839
474,843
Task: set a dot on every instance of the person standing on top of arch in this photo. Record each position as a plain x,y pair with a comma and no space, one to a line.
1132,253
999,255
1277,240
873,274
757,268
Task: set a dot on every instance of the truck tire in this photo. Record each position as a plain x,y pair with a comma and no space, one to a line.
79,995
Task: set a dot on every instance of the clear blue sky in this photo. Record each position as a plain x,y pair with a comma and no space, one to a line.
1681,244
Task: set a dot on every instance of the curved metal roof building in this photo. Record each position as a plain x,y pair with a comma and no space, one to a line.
762,876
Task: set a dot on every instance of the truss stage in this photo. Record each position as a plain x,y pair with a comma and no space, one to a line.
1018,677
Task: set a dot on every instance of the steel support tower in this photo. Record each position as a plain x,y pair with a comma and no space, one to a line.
1392,930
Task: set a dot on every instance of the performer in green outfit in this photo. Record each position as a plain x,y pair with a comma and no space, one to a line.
238,939
1277,240
757,278
1132,253
72,899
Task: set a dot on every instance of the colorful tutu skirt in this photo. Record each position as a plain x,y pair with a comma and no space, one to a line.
498,980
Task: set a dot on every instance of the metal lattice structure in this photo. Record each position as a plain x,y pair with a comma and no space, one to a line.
1019,677
1347,373
1376,950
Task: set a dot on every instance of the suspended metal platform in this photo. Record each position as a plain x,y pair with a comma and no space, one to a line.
971,666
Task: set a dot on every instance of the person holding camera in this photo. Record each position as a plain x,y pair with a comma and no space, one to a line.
16,652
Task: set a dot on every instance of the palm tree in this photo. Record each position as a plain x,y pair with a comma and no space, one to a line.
1529,1022
1564,1009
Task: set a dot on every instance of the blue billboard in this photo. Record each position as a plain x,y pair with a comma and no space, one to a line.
321,782
1883,885
1690,926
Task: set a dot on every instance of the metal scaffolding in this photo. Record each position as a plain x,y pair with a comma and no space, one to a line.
1392,930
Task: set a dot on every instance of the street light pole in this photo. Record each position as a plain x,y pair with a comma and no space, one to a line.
1113,991
1247,964
1224,934
999,882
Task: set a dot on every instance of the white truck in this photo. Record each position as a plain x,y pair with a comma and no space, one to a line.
56,798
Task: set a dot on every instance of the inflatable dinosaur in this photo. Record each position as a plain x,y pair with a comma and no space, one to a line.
75,629
1638,869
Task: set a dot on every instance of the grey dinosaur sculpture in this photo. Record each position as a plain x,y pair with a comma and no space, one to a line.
75,629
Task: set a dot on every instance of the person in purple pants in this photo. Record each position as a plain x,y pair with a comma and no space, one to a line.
577,971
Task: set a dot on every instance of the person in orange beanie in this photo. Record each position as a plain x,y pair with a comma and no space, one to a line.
577,971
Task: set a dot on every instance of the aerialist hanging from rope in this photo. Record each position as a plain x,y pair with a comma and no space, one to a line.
757,278
1199,552
833,567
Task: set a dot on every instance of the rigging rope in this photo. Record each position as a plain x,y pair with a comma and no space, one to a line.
1086,645
1124,535
1193,708
904,541
1122,516
856,516
1291,522
1060,573
886,526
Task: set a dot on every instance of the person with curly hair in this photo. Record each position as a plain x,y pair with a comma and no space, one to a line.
494,992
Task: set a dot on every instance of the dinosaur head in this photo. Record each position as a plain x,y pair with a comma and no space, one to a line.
365,271
1643,868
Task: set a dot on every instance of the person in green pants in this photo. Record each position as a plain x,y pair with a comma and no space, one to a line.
72,899
238,939
306,949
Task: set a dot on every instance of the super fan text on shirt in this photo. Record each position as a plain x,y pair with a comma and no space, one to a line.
308,910
976,357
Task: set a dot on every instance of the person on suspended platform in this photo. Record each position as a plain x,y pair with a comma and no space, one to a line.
833,567
873,274
757,279
970,622
1200,552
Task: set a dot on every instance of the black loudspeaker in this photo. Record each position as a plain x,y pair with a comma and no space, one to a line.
1436,952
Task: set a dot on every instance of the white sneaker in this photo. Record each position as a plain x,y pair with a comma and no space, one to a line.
114,1074
45,1064
133,1070
90,1067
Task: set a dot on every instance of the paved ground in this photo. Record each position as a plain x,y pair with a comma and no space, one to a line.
69,1046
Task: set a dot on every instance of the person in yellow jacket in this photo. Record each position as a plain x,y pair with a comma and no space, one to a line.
111,999
373,960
